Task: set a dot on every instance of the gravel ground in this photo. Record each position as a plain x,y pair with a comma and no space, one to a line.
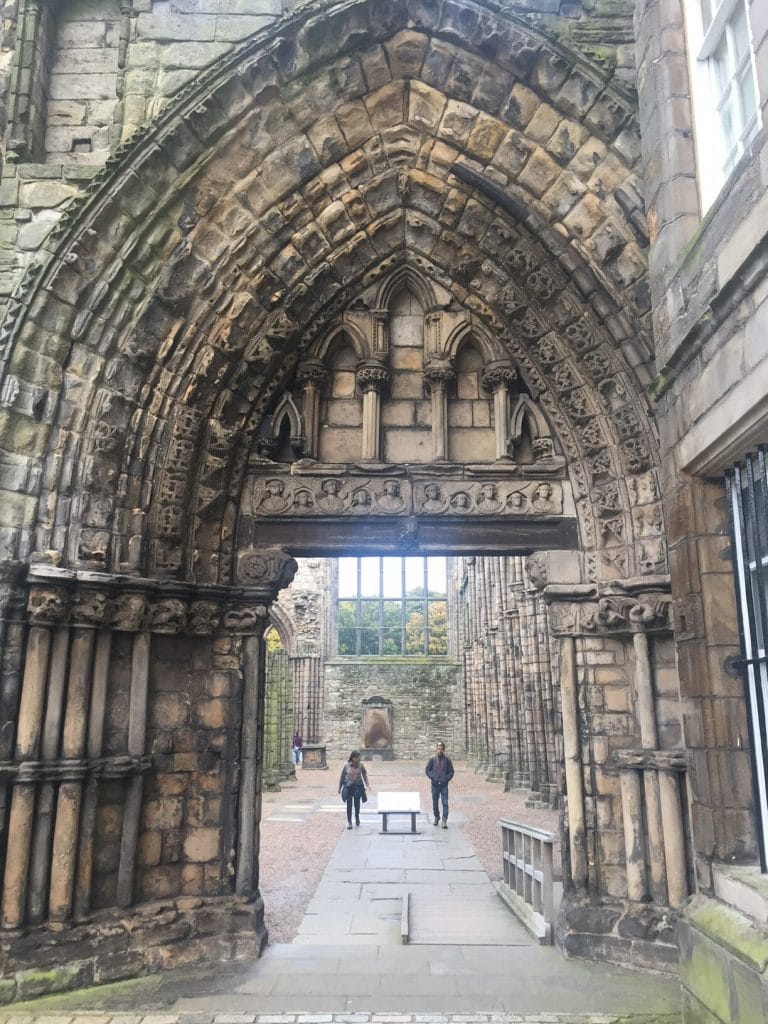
294,853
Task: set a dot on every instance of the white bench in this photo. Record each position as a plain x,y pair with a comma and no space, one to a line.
398,803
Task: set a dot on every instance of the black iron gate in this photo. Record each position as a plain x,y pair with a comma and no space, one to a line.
747,485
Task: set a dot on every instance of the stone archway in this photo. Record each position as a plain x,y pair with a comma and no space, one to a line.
185,307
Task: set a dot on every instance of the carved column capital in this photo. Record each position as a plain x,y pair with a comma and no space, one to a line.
499,374
267,570
372,376
312,373
48,605
437,375
90,608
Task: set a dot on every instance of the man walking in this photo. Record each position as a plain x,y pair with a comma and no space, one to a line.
440,772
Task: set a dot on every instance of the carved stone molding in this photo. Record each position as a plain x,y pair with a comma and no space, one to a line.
618,608
121,766
658,760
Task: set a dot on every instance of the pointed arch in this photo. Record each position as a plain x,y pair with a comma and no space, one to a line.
416,282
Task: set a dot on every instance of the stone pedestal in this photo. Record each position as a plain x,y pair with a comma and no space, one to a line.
313,755
377,754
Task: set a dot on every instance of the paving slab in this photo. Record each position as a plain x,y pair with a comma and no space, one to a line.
347,964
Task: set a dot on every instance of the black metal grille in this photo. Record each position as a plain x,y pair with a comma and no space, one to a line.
747,485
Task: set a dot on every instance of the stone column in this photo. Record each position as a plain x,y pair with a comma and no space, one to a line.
45,608
94,742
372,379
46,797
88,612
137,725
438,375
498,378
262,574
646,715
312,376
573,779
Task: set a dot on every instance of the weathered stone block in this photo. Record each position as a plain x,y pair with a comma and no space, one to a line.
202,845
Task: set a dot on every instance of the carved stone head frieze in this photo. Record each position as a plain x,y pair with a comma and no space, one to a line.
47,605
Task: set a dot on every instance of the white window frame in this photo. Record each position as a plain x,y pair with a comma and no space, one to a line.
714,171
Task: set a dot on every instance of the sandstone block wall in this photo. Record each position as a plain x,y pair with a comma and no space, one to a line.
426,698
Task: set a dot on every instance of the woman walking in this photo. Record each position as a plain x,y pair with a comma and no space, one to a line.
353,783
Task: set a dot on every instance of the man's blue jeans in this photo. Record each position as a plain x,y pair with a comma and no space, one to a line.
440,795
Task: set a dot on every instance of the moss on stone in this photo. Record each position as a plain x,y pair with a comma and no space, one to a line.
736,933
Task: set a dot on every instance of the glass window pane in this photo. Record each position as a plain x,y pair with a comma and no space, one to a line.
346,641
437,572
370,581
392,614
740,31
369,641
392,577
369,614
747,95
721,71
414,576
438,627
392,641
347,613
347,577
706,13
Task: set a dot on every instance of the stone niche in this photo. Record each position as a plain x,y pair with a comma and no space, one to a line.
376,742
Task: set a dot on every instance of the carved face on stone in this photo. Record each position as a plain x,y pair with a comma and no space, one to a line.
46,606
536,568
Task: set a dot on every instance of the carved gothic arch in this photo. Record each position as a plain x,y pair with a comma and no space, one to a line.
232,335
484,341
412,279
347,332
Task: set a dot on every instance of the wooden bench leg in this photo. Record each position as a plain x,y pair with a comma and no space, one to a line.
384,822
413,821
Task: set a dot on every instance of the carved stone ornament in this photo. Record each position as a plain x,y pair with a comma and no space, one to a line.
437,375
499,374
168,616
360,496
90,608
372,377
625,614
312,373
203,618
129,612
47,606
270,568
536,569
247,619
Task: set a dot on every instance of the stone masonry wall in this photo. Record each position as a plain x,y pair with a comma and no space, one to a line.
710,284
426,696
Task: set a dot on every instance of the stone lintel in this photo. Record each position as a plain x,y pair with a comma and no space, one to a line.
328,539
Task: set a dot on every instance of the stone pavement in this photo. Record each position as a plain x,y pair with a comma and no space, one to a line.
467,961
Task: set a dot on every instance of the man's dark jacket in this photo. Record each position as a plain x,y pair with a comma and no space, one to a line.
440,774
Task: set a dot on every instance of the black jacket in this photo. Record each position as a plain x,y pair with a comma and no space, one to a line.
440,776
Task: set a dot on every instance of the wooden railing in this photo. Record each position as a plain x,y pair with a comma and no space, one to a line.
527,884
